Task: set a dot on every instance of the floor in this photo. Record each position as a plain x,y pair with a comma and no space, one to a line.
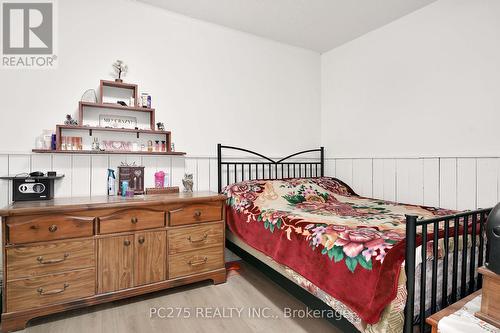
231,307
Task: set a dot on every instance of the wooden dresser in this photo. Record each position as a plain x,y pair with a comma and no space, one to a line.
69,253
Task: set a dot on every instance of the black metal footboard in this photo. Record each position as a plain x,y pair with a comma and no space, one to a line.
458,234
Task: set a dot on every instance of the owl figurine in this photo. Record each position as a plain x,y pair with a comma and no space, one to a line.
187,181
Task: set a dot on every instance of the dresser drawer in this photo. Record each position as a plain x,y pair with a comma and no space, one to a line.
130,220
48,258
37,228
195,262
51,289
195,213
196,237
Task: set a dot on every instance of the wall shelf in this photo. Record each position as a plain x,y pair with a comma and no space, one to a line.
140,136
112,129
111,152
106,86
86,107
117,107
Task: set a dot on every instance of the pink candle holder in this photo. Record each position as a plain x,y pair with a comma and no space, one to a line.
160,179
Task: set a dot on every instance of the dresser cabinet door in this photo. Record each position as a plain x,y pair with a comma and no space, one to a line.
149,262
115,263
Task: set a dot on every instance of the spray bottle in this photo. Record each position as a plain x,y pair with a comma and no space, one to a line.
111,182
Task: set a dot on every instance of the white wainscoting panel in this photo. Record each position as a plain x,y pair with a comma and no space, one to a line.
431,182
448,183
99,175
466,183
487,181
80,177
454,183
410,180
343,170
362,176
384,179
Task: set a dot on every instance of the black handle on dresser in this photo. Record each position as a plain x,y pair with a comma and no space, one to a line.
134,220
141,240
53,228
197,213
126,242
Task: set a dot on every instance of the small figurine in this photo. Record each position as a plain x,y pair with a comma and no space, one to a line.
70,121
160,126
120,69
187,182
95,144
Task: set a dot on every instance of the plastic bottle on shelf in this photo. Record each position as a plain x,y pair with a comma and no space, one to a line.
111,182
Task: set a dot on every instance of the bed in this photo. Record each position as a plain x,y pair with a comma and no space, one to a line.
333,249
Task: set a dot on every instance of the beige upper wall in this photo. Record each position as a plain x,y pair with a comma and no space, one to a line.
427,84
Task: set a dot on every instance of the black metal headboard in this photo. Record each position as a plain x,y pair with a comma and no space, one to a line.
263,167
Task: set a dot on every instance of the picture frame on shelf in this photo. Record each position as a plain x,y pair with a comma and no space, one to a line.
114,121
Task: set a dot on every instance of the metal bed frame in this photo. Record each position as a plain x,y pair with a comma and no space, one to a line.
454,230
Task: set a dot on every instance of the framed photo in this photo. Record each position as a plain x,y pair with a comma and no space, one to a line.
135,177
114,121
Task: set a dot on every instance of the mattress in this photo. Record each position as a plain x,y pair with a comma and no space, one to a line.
328,238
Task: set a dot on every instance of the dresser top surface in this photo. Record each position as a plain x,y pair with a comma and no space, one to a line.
97,202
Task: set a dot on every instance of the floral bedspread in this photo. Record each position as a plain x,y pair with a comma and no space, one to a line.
350,246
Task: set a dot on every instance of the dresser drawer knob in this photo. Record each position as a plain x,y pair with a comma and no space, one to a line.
141,240
53,228
126,242
134,220
42,292
198,262
52,261
202,239
197,213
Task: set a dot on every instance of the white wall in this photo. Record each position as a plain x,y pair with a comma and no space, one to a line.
427,84
209,84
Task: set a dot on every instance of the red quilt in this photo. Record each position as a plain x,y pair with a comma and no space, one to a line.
349,246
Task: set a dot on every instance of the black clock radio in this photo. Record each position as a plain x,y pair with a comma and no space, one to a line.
32,189
35,186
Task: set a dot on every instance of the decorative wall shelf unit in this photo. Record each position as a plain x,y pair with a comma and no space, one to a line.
117,129
111,152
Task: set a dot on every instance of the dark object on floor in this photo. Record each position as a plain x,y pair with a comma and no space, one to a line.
493,235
